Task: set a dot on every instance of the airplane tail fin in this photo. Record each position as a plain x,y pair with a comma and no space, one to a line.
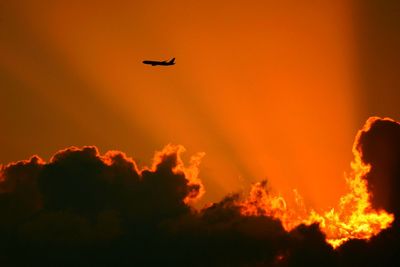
172,61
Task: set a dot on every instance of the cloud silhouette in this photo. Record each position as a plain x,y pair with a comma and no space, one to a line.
84,208
379,142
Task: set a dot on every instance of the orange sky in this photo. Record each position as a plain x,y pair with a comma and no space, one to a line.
268,89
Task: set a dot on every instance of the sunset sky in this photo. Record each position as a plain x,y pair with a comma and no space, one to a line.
267,89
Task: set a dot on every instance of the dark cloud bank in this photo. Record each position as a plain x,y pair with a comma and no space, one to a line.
86,209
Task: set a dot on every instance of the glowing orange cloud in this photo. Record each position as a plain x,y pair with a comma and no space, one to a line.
353,219
191,172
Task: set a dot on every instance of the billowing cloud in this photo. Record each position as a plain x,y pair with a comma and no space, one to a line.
84,208
379,142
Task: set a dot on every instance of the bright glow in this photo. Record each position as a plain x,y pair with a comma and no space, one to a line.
354,217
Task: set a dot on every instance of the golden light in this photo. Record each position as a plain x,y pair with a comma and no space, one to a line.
354,218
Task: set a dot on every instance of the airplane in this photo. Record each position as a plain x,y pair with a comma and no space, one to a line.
160,63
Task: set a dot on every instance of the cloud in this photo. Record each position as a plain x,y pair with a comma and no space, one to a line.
81,198
85,208
379,142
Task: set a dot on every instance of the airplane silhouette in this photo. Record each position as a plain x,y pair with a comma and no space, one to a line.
160,63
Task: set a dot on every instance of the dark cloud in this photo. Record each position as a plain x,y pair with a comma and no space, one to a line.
380,146
83,208
82,200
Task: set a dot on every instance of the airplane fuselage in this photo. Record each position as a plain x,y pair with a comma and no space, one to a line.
160,63
157,63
